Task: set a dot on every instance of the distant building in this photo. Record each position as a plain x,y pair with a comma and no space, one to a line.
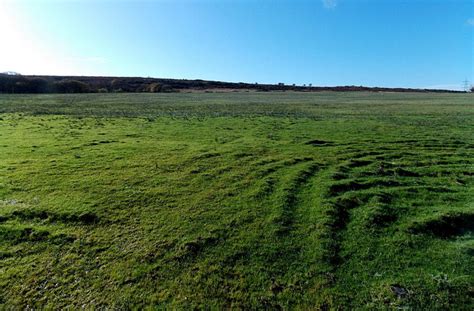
10,73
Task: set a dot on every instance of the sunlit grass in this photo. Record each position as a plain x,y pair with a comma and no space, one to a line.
245,200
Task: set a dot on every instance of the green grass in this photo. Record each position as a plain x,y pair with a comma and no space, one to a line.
237,200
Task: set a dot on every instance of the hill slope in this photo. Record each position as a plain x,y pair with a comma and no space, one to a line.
83,84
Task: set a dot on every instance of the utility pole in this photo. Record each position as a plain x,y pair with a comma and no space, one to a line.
466,85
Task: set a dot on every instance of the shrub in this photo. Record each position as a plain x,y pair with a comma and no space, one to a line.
71,86
166,88
154,88
38,85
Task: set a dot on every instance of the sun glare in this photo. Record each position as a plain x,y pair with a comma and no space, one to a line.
27,51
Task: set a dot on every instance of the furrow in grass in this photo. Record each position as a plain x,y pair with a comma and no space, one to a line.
289,199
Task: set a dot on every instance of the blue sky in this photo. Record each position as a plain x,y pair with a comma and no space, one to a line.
393,43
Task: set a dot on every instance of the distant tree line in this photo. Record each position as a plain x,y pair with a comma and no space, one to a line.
53,84
64,84
27,85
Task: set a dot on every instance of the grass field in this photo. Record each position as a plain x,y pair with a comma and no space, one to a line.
242,200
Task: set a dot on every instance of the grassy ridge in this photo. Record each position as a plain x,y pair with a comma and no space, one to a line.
246,200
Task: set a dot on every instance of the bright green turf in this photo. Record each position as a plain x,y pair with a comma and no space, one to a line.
243,200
